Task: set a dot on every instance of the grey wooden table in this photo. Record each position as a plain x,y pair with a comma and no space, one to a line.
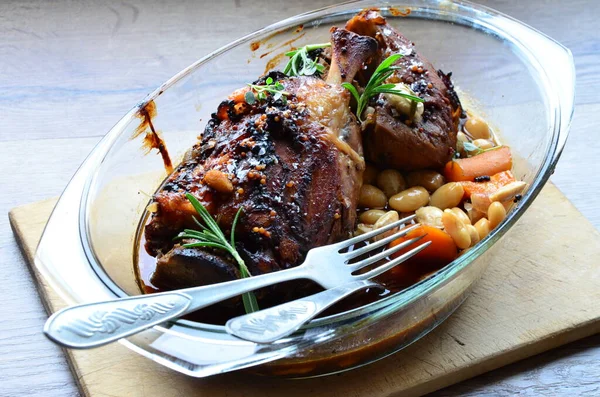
70,69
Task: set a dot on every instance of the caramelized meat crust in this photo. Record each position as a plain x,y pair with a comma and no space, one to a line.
294,166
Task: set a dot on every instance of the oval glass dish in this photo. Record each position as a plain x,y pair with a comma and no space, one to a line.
523,83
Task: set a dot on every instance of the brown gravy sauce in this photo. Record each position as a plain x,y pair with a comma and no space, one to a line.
152,138
398,13
284,44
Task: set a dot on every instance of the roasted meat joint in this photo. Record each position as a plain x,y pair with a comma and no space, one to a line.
348,136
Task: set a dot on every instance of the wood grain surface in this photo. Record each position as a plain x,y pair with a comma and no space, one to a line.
526,302
70,69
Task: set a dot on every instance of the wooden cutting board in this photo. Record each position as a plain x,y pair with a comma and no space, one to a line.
540,292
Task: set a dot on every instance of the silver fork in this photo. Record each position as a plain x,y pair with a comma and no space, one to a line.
95,324
274,323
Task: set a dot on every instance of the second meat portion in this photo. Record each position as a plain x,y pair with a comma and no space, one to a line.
398,135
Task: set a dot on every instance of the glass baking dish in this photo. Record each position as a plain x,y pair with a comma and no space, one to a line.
520,79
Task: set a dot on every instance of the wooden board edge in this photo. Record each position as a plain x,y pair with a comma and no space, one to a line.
29,258
569,203
508,357
42,292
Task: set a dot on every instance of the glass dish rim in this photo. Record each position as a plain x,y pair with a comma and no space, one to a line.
414,292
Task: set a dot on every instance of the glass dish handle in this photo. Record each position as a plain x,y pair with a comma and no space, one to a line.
560,70
556,68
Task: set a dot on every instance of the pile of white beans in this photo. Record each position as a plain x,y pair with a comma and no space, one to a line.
389,194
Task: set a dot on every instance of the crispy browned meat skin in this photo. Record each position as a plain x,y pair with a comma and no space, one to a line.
295,168
391,140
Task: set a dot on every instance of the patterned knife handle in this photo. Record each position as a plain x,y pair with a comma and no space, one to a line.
270,325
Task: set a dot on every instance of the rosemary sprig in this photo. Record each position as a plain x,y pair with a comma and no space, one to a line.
300,64
259,92
210,235
376,86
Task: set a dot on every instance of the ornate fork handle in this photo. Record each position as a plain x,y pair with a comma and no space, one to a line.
269,325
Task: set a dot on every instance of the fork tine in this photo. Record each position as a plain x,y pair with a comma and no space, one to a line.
384,268
380,243
384,254
366,236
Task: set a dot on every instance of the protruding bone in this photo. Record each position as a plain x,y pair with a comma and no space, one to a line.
350,51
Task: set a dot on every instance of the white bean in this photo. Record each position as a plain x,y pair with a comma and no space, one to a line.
477,128
496,214
430,180
391,182
361,228
508,192
483,144
461,215
388,218
456,229
430,215
371,216
447,196
371,197
473,233
483,228
410,200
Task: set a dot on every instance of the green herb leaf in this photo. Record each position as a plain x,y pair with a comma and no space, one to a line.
233,226
352,90
212,236
203,244
469,147
259,92
250,303
301,64
250,98
474,150
376,86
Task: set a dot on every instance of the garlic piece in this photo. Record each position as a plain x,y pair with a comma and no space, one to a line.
405,105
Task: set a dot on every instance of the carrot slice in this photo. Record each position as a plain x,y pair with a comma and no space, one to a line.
486,163
496,182
238,95
440,252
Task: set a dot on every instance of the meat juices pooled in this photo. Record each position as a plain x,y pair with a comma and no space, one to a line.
294,166
393,139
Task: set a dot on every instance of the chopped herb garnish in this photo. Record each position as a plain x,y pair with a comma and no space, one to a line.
210,235
376,86
474,150
301,64
260,92
250,98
